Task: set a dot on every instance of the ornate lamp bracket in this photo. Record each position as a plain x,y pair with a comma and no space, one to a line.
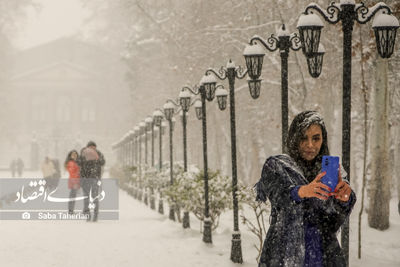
175,103
331,15
221,74
240,73
364,14
271,44
195,90
295,43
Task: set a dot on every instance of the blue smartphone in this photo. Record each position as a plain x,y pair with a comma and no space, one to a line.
330,165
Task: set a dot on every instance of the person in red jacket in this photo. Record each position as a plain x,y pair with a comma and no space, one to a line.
73,169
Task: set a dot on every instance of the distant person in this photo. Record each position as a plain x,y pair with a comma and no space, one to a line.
73,169
91,162
20,167
49,172
13,167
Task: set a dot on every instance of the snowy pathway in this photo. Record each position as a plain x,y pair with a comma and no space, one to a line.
144,238
141,237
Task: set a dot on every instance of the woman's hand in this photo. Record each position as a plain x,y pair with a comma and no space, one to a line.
342,191
315,189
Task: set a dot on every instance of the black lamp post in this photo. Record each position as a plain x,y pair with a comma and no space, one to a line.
207,91
143,128
169,110
384,25
140,137
150,126
231,72
254,54
127,141
185,103
131,147
157,119
136,131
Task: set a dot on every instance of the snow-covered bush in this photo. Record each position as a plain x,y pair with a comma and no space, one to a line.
188,192
179,193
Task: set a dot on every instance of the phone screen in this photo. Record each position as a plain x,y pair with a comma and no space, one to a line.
330,164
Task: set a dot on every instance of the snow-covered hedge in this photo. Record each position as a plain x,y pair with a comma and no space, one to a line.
188,193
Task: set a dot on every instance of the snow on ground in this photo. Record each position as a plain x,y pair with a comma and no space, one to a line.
143,237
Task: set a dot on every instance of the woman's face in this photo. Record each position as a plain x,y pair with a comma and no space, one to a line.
311,142
74,155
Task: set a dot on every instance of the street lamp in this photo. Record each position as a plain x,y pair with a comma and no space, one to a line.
169,110
157,119
142,129
136,131
207,91
314,62
130,147
185,103
231,72
150,126
253,53
384,25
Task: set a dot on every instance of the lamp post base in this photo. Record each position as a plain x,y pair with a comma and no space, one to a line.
172,213
236,249
207,238
186,220
152,202
145,198
160,206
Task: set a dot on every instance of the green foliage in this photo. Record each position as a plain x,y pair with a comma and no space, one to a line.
188,192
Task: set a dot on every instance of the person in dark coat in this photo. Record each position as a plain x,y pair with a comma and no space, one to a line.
91,162
13,167
305,217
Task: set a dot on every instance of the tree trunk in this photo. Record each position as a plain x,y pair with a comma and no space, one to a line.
378,214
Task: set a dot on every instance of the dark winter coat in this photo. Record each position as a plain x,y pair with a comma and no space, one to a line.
285,241
91,168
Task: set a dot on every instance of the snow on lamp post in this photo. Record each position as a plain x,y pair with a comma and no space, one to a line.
169,110
253,53
385,26
142,129
150,126
136,133
200,107
231,72
158,119
254,57
131,139
185,101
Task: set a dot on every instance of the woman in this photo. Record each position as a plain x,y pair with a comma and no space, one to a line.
305,216
74,177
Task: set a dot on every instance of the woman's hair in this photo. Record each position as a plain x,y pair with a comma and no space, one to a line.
297,130
69,157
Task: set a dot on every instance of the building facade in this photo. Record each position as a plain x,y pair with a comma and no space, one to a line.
60,95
